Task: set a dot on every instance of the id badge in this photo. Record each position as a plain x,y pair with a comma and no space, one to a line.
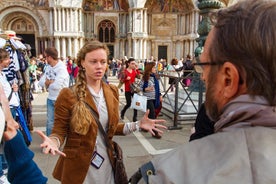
97,160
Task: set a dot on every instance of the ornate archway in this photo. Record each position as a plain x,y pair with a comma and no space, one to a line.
26,21
106,32
25,27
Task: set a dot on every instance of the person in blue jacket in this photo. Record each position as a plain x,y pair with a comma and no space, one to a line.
21,167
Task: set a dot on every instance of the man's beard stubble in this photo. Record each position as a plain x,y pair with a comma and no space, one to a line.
211,101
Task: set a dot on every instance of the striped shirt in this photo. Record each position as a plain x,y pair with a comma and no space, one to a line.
149,94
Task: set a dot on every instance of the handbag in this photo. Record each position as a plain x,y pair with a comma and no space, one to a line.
135,88
139,102
120,175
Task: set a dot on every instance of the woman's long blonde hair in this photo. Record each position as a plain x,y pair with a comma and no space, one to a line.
81,116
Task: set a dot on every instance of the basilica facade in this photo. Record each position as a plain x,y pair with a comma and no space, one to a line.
133,28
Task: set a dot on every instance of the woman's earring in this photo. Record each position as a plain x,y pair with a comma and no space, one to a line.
83,69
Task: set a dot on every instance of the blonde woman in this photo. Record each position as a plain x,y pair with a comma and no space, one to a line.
76,128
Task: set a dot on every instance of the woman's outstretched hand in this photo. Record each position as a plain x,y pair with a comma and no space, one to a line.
152,124
49,145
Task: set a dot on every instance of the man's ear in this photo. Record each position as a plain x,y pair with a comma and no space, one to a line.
230,80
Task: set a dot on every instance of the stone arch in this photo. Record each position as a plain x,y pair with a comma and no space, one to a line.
11,18
12,13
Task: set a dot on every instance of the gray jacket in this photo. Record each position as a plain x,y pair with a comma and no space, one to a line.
245,156
241,151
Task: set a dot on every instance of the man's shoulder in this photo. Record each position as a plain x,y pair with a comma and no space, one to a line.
61,68
239,148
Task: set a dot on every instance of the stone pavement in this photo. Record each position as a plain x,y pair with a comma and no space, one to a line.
138,147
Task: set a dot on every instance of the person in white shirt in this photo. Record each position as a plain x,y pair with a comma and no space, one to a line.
54,79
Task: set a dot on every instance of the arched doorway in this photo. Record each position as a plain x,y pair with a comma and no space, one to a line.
106,32
24,26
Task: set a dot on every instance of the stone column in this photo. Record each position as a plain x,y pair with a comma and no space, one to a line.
71,23
51,21
145,21
67,19
63,22
129,50
81,43
59,19
80,20
134,54
123,43
76,20
76,47
55,19
63,47
57,45
174,47
69,47
45,45
140,50
144,49
193,22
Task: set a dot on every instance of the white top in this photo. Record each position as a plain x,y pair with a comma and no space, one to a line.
59,74
14,101
95,175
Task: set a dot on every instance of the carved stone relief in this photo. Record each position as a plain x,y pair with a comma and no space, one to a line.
164,26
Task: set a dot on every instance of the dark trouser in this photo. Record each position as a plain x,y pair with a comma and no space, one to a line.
129,96
150,106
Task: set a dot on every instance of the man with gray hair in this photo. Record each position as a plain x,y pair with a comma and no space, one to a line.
238,66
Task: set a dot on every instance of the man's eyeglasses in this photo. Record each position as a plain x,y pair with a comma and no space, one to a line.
199,66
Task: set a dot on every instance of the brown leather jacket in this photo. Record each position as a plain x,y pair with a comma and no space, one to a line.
79,148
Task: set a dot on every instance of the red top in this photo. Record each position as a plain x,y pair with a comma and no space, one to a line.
132,76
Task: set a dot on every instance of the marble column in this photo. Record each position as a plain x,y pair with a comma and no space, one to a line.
63,22
69,47
129,50
55,19
76,47
140,50
72,23
51,21
191,51
144,49
80,20
63,47
59,19
81,42
192,22
76,21
57,45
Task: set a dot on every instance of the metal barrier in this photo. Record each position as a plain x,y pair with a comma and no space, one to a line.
192,93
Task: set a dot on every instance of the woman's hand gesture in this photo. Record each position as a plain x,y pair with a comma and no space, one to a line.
49,145
152,124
